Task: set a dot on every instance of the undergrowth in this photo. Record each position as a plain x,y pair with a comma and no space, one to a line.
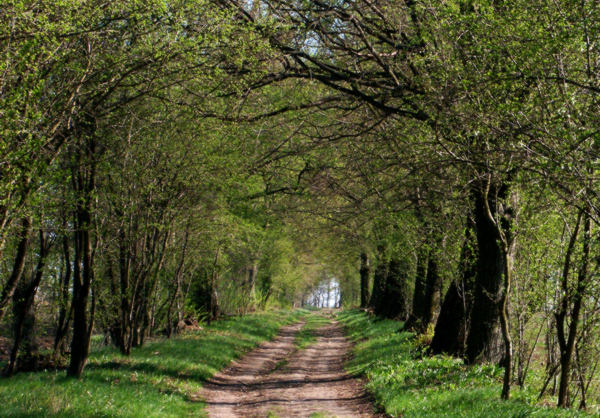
161,379
406,382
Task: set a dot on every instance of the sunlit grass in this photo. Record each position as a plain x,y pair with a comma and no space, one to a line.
161,379
404,382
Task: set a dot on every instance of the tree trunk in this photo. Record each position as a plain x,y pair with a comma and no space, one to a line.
567,341
122,330
81,288
452,326
65,308
418,301
18,265
365,271
84,185
484,342
428,285
433,288
24,316
213,311
505,324
498,220
252,279
379,280
395,297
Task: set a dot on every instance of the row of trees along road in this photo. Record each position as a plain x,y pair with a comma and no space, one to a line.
171,161
125,207
459,116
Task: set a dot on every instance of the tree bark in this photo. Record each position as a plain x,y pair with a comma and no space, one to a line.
213,311
452,326
252,279
484,342
418,301
495,287
365,271
379,280
171,326
567,340
18,265
81,287
428,283
395,300
433,288
122,330
84,185
24,316
65,308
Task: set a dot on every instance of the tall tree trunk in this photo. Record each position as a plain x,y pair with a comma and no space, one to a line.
427,291
18,265
252,279
494,223
151,295
567,340
414,322
379,280
24,316
171,326
84,185
484,342
433,289
365,271
81,288
65,308
452,326
395,300
504,322
213,307
122,330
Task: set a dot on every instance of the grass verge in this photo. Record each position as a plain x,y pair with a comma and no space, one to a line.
406,383
161,379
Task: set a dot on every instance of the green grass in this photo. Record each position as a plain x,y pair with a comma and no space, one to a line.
306,335
406,383
161,379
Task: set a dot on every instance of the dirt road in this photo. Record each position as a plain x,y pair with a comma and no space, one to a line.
276,379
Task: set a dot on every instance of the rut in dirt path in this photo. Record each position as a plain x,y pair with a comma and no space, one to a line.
278,379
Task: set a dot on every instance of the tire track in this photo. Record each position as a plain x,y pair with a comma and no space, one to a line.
280,380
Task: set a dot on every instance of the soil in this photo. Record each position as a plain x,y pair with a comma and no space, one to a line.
277,379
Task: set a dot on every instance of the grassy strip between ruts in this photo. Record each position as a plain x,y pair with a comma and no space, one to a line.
161,379
406,383
306,335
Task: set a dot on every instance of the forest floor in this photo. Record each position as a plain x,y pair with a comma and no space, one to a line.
299,373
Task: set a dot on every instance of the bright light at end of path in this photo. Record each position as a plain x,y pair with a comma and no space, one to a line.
326,295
